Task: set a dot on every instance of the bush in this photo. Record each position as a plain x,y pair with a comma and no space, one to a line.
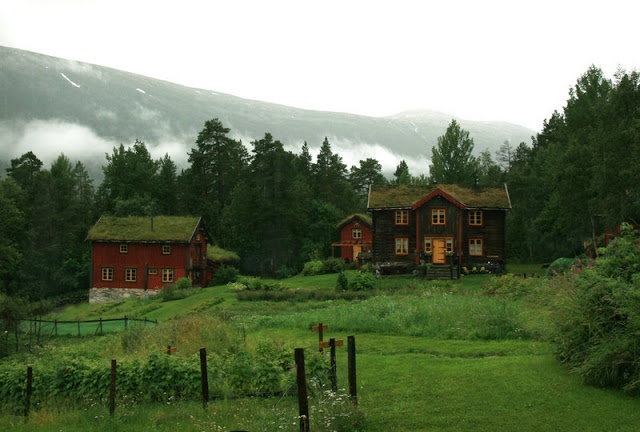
225,274
318,267
312,268
597,320
342,283
362,281
183,283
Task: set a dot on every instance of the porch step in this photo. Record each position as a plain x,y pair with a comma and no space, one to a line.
440,272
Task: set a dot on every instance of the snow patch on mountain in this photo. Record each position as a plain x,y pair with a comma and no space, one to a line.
71,82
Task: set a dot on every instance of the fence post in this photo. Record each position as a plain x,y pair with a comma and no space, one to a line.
351,366
334,368
112,391
301,380
27,404
204,378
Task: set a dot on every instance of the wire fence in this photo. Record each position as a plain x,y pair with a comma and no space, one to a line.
29,332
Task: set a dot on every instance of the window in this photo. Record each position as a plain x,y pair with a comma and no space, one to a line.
167,275
402,217
475,247
166,249
124,248
153,271
402,246
427,245
438,216
107,273
356,233
449,245
130,274
475,217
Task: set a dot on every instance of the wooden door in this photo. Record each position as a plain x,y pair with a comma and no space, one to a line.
356,250
439,251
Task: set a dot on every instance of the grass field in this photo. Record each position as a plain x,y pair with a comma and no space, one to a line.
431,356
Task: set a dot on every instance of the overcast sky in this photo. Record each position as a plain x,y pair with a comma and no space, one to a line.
479,60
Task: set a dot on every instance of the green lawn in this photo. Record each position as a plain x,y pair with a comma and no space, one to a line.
431,356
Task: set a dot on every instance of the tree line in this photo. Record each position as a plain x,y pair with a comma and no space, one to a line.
277,209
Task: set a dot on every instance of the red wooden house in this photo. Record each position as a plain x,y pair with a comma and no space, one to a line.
438,224
355,237
137,256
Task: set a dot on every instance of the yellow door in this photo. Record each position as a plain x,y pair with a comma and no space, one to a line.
439,251
356,251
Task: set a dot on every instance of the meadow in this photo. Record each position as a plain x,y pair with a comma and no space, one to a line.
475,354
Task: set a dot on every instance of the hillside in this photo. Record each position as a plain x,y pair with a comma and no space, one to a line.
51,105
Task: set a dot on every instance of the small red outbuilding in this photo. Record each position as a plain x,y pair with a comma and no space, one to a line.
355,236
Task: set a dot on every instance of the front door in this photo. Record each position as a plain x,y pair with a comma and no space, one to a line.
439,251
356,250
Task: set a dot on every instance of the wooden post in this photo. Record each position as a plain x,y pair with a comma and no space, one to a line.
29,392
351,366
334,368
320,329
204,377
301,380
112,390
168,349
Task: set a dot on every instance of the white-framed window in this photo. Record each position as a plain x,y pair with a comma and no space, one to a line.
356,233
124,248
427,245
166,249
152,271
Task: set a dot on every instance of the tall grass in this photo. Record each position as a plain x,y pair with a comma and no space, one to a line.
439,315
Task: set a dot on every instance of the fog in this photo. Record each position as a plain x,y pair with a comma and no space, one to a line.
47,139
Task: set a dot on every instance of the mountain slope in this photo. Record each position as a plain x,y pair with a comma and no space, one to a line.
51,105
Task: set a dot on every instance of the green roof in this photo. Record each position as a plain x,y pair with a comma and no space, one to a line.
144,229
363,217
407,196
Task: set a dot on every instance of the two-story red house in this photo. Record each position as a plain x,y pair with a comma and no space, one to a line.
355,237
137,256
438,224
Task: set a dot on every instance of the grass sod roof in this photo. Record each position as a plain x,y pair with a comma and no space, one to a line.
406,196
363,217
144,229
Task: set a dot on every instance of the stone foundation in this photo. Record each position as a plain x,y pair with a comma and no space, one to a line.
108,295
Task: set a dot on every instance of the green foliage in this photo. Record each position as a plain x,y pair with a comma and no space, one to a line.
597,319
312,268
183,283
342,282
252,283
362,281
326,266
510,285
452,161
564,265
225,274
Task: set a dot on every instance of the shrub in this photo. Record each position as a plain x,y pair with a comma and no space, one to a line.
342,283
597,318
362,281
225,274
312,268
183,283
332,265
